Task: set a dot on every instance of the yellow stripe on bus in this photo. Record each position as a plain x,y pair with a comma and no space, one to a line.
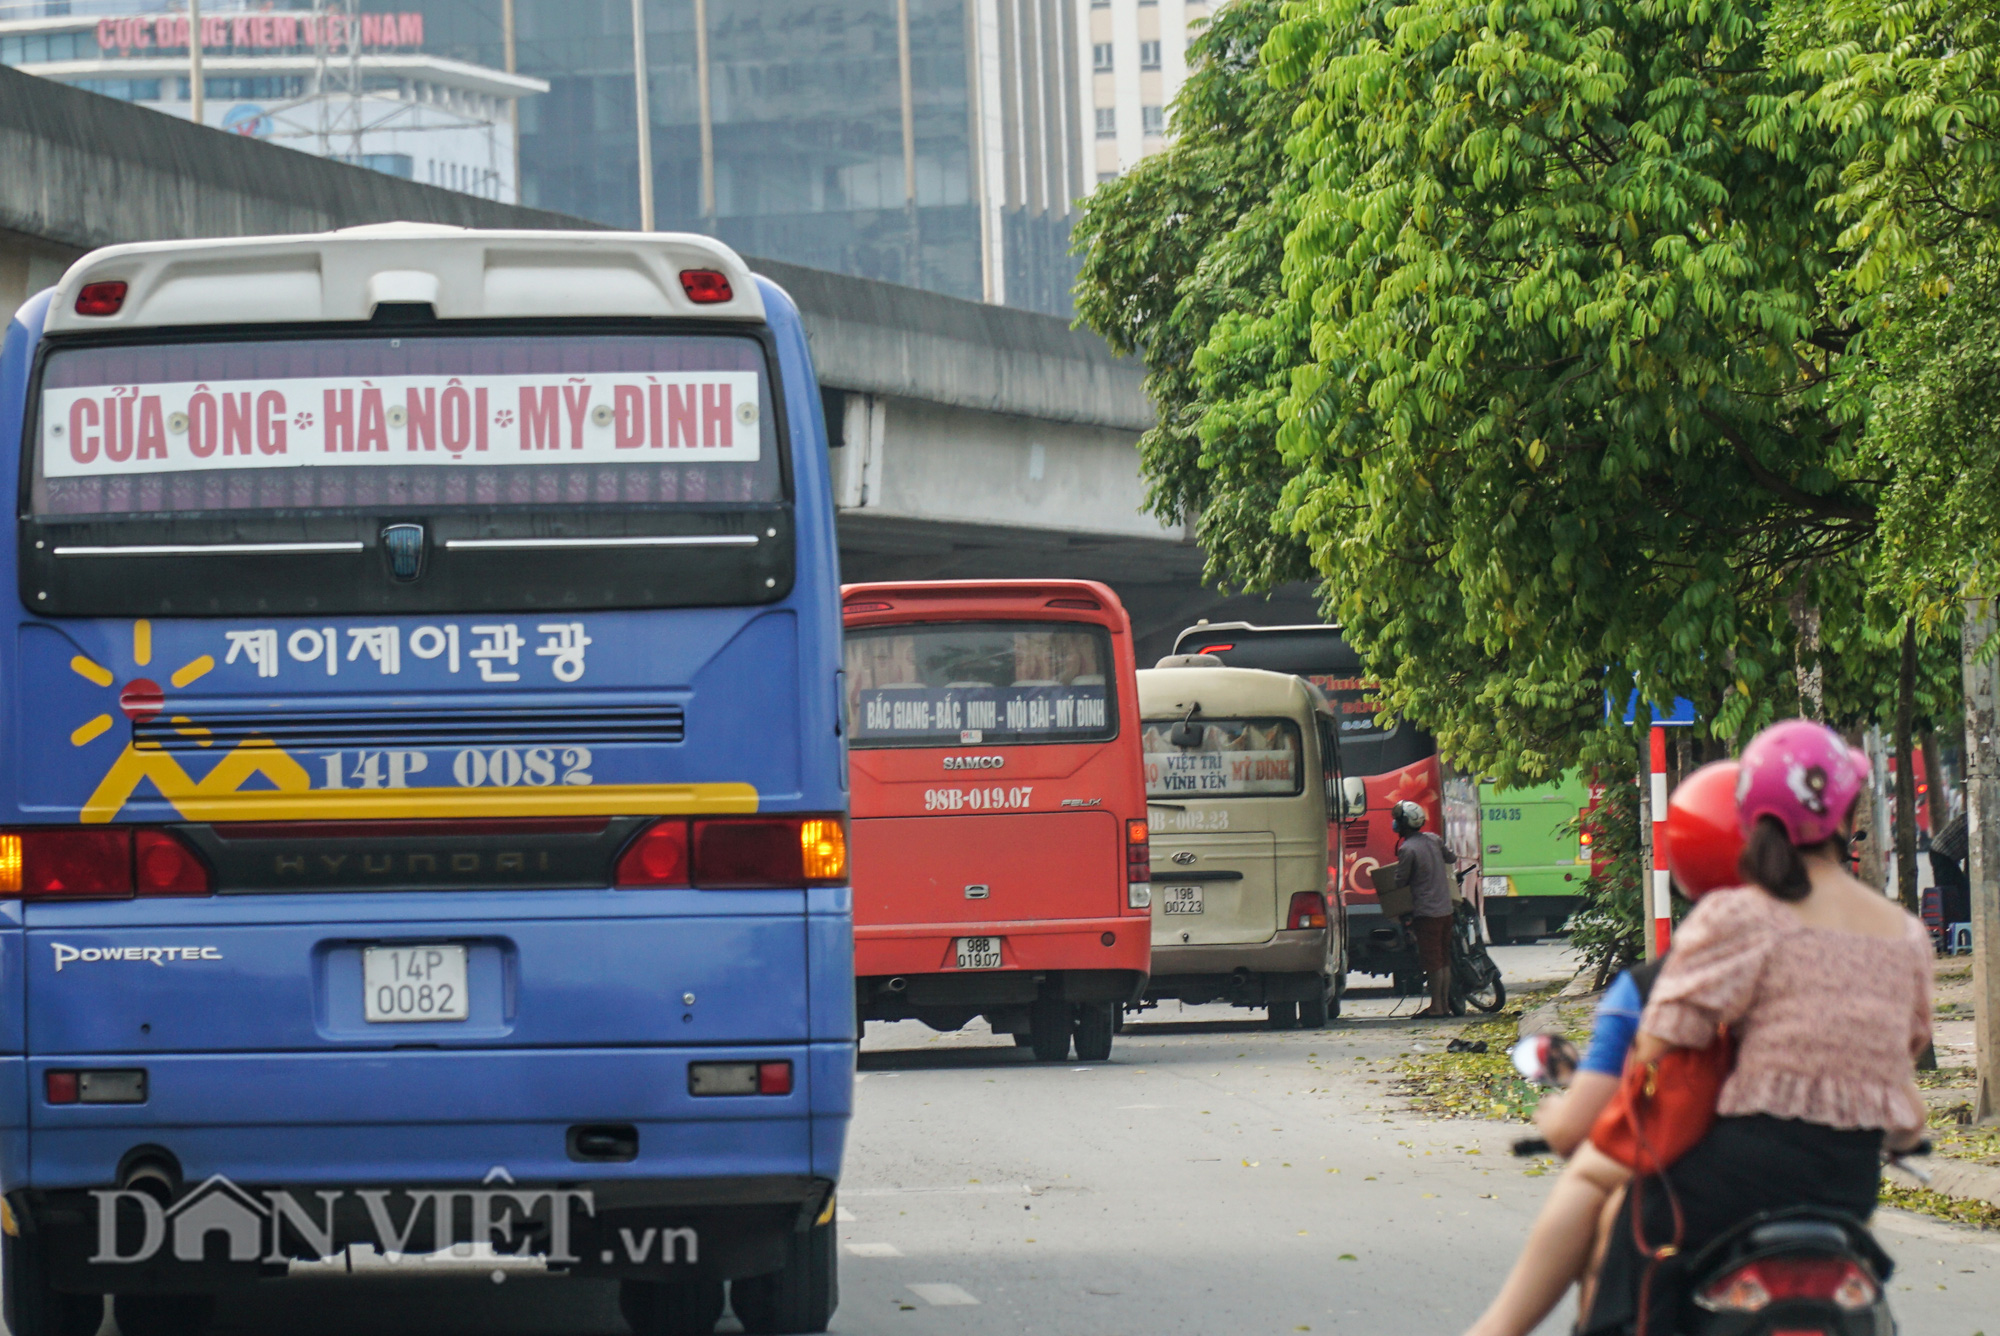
220,796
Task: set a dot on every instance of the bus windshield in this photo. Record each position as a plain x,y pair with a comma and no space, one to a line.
1236,758
387,421
947,685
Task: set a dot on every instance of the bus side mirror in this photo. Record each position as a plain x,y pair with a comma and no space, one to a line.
1186,734
1354,797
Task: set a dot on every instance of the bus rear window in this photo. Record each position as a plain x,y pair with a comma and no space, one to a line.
955,684
1235,758
390,421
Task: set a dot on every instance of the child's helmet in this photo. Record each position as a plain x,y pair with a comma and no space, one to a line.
1703,837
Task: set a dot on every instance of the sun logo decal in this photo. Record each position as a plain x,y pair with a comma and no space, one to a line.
141,699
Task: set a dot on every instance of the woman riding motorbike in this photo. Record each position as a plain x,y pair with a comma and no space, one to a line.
1825,984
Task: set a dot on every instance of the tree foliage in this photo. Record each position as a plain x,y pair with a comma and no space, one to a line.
1536,327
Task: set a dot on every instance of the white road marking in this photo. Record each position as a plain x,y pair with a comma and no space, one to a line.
843,1215
974,1189
939,1295
874,1250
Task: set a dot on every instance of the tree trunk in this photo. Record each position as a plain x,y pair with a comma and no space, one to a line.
1906,774
1982,829
1937,803
1805,621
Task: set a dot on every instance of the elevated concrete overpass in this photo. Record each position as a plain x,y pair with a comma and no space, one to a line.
973,440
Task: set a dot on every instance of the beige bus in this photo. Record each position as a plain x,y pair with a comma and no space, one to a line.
1238,772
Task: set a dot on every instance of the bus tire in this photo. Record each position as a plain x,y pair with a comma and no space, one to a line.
1281,1015
800,1298
162,1314
1049,1025
36,1308
670,1308
1023,1040
1096,1023
1317,1010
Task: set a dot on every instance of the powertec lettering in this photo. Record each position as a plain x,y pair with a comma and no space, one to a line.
149,955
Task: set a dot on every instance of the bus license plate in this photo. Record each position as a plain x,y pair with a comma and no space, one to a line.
1495,886
1181,899
414,983
977,953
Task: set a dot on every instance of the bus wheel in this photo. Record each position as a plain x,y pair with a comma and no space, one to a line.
660,1308
802,1297
1096,1022
1281,1015
1317,1010
36,1308
162,1314
1048,1029
1023,1040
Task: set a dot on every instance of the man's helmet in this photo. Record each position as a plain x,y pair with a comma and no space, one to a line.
1801,774
1703,838
1406,817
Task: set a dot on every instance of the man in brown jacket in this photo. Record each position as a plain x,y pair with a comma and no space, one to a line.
1423,864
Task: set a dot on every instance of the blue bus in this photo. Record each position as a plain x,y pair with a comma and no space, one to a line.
423,809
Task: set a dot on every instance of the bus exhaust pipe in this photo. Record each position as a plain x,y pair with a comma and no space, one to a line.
897,985
154,1173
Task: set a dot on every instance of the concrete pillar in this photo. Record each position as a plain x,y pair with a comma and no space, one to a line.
27,265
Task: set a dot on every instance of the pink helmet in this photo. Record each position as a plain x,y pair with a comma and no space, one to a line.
1802,774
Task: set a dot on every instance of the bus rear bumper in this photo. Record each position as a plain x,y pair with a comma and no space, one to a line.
1114,943
392,1117
213,1235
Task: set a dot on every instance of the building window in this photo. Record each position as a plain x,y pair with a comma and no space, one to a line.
1107,122
1100,57
1100,4
1102,177
1149,55
1153,120
390,164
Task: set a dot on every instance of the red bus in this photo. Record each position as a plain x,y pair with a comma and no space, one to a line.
1380,765
1000,863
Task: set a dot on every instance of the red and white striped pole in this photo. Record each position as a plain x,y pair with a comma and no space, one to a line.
1663,887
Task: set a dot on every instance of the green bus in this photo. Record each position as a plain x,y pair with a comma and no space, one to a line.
1535,863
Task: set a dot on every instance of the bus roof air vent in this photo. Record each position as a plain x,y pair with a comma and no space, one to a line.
1191,661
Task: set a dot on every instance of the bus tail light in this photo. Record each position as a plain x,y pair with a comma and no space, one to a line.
659,857
737,853
1308,910
740,1078
706,287
162,865
823,843
99,862
101,298
1138,865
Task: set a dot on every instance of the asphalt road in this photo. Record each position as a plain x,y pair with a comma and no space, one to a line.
1213,1177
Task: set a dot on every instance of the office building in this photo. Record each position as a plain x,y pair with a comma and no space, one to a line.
1137,52
364,89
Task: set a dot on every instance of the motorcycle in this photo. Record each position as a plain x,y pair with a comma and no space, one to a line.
1801,1271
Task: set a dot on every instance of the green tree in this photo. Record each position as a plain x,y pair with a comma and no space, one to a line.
1188,237
1562,418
